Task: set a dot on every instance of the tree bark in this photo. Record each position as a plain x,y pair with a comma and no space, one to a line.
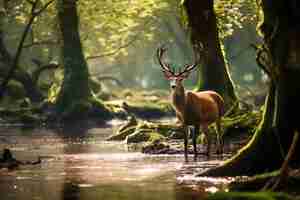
270,144
213,73
20,75
75,87
13,66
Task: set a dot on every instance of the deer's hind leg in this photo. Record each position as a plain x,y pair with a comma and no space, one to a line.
220,142
195,136
205,131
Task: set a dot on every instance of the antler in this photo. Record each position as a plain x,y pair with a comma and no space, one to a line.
168,71
186,70
189,67
165,67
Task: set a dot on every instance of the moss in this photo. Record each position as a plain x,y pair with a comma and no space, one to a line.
15,90
245,122
53,92
148,109
171,130
254,183
105,96
95,85
23,116
156,130
242,124
154,137
253,158
156,147
164,129
30,119
142,104
249,196
138,136
143,135
121,135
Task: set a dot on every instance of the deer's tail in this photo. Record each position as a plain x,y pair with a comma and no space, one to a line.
219,100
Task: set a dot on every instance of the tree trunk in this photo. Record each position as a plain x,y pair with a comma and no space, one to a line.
213,73
75,88
31,89
270,143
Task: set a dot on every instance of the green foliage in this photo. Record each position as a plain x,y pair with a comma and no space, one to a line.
111,24
55,87
232,14
123,35
15,90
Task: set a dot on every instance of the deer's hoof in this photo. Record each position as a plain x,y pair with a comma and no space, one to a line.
219,151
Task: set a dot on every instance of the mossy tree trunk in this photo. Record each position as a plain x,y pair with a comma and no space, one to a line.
213,73
8,61
75,88
280,58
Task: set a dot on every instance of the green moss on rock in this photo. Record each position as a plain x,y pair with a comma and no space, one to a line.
249,196
15,90
143,135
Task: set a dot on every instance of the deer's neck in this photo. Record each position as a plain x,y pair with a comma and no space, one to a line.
178,99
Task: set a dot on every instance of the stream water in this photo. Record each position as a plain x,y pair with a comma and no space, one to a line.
78,163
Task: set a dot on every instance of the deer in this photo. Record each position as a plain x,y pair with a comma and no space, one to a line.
197,109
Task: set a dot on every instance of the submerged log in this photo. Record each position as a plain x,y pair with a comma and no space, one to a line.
9,162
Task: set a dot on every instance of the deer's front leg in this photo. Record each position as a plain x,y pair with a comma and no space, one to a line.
195,136
186,134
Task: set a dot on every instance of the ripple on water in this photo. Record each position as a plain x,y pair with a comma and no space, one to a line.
103,170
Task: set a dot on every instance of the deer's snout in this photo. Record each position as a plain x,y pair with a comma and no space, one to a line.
173,84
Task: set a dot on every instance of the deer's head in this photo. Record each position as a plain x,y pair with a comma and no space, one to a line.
175,78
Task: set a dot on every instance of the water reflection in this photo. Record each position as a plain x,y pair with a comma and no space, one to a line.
71,191
79,164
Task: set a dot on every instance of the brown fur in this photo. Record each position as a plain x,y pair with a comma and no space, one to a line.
192,108
198,109
195,108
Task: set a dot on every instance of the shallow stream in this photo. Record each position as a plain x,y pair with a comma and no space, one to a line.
77,163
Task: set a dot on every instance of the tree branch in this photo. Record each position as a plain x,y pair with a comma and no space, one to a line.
46,42
259,53
107,77
36,13
36,74
15,61
241,51
135,37
114,51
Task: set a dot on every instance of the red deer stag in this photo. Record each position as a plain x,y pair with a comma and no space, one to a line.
198,109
